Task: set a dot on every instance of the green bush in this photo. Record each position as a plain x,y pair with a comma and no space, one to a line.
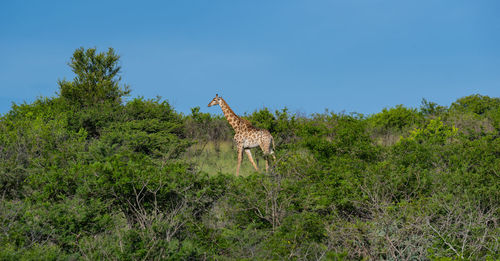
97,79
87,176
396,118
477,104
282,125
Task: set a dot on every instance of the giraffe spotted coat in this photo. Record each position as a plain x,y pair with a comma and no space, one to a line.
246,136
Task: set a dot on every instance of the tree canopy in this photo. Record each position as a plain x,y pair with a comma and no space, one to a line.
97,79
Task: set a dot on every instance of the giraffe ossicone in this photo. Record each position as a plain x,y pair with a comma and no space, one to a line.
246,135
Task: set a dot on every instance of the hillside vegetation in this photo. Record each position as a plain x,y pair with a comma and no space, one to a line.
87,175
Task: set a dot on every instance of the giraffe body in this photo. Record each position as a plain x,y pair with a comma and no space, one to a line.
246,136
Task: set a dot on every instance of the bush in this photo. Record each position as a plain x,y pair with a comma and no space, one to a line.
96,81
281,124
477,104
396,118
85,176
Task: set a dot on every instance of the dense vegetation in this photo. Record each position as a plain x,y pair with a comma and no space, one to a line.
87,175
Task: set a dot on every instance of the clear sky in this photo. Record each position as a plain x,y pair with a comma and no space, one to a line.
349,55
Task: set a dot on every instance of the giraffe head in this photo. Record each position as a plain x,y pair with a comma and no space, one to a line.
215,101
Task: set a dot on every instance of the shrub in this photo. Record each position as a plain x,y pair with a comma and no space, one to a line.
96,80
85,176
477,104
396,118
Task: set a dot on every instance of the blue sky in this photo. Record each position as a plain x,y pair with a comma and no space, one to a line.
350,55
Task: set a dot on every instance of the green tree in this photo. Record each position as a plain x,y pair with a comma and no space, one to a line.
97,79
396,118
429,108
478,104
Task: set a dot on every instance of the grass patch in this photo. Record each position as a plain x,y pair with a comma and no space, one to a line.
221,157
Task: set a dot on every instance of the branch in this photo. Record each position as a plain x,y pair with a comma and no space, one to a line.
444,240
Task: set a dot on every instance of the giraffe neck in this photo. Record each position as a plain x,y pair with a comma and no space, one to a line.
231,117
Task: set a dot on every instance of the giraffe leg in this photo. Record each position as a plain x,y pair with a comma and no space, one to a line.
267,164
267,151
240,156
249,154
271,149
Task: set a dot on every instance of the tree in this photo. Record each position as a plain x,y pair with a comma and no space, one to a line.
97,79
477,104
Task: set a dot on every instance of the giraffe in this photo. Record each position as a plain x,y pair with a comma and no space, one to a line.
246,136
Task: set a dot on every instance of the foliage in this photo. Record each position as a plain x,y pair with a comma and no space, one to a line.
87,176
205,127
398,117
96,81
281,124
477,104
431,109
435,132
